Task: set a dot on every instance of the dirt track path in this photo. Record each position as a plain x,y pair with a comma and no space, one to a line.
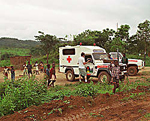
61,78
132,110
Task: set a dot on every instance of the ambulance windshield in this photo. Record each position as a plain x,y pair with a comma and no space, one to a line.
100,56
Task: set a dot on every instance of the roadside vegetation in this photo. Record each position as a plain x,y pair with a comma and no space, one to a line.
25,92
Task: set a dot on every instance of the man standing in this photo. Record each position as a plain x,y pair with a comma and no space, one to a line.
82,69
29,67
124,59
12,74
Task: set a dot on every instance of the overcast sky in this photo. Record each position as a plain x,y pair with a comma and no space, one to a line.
23,19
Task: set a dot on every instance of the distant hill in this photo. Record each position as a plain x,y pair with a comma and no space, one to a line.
16,43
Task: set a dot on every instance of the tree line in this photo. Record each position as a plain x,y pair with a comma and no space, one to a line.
107,38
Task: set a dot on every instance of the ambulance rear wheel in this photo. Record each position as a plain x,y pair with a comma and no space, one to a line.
104,77
70,76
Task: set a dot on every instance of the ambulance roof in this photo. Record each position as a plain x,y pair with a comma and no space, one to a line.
89,48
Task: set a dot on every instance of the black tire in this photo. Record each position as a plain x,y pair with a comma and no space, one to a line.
104,77
70,76
132,70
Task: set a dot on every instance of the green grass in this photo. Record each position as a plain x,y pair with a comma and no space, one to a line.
24,52
147,115
15,51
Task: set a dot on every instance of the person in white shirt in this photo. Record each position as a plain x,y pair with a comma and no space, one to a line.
24,68
82,69
37,68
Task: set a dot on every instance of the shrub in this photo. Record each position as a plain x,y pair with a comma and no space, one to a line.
86,90
21,94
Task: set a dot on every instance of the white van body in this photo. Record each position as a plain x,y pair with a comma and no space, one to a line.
68,61
134,65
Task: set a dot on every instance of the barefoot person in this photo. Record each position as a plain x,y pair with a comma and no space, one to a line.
115,76
82,69
52,75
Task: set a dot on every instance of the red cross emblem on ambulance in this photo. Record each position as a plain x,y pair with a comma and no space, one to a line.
69,59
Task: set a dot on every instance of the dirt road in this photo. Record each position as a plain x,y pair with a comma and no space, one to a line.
61,78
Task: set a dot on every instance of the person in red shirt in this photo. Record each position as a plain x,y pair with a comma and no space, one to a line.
52,75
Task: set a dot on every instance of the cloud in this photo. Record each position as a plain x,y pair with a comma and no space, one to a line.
24,18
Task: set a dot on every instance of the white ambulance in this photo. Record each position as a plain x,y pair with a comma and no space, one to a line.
134,65
97,67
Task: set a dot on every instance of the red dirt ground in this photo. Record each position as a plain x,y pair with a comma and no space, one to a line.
102,107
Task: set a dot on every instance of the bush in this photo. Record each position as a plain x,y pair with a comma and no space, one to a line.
21,94
86,90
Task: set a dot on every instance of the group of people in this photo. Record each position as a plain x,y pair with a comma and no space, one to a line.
27,70
114,68
50,73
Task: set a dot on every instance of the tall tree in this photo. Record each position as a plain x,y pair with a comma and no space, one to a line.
87,38
143,34
117,43
123,34
47,41
105,36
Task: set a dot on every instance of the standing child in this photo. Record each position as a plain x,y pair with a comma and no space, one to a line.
48,74
52,75
12,74
115,75
24,68
41,66
36,68
6,71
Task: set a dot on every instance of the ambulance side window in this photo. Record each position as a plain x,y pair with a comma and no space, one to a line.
69,51
88,57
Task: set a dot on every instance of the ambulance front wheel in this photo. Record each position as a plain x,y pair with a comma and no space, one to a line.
104,77
70,76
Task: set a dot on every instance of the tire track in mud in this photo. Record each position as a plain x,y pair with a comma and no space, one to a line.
83,113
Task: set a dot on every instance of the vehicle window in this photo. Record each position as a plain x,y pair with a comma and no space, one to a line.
114,56
88,57
69,51
100,56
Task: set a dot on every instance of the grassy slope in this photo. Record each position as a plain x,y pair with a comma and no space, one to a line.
14,51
